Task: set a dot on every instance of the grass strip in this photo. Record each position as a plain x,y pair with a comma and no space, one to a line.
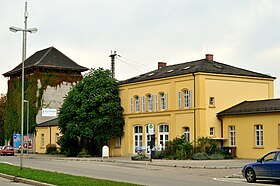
56,178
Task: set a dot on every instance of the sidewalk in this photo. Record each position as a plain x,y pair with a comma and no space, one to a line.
191,164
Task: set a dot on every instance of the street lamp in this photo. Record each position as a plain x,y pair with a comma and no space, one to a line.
30,30
27,125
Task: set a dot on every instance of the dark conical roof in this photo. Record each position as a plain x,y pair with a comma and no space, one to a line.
49,58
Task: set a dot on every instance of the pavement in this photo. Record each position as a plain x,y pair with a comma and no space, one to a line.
189,164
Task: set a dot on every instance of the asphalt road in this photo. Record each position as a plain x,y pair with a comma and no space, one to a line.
132,173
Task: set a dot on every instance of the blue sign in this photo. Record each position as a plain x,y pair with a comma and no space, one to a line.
17,140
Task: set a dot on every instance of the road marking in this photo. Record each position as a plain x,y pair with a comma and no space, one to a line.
239,180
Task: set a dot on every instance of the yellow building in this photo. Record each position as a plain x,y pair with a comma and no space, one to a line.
253,127
47,133
184,99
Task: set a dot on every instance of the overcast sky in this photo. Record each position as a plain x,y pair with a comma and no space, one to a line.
242,33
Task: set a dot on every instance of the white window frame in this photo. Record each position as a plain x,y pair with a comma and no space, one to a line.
163,135
212,131
259,135
187,133
137,104
187,98
150,102
163,101
139,135
232,140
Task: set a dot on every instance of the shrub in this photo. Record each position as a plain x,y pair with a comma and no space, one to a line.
200,156
207,145
51,149
83,154
178,148
216,157
140,157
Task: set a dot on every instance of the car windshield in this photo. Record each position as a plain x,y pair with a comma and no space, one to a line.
269,157
9,148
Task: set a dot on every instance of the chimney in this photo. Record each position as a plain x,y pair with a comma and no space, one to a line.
161,64
209,57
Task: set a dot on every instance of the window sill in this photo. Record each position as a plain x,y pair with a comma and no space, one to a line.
258,147
42,147
212,106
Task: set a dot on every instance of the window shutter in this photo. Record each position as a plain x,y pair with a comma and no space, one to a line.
131,104
156,102
152,102
143,104
179,99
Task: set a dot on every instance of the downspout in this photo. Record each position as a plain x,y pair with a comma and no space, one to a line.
222,130
194,114
50,135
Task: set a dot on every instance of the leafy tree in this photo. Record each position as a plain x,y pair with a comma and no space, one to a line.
3,100
91,113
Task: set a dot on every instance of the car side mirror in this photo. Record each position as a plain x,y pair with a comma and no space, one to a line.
259,160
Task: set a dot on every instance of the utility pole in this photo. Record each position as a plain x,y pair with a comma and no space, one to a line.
113,56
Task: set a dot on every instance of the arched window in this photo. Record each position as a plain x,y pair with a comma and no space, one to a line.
150,102
163,133
137,104
138,132
163,101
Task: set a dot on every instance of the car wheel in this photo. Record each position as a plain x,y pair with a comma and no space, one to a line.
250,175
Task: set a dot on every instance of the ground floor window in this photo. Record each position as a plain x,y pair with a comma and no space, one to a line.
259,135
138,130
187,133
42,140
163,135
231,135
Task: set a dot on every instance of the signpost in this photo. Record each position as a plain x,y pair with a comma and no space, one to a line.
151,132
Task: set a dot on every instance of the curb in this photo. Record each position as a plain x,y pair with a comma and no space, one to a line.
23,180
151,163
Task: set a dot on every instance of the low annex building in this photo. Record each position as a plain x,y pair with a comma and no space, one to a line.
253,127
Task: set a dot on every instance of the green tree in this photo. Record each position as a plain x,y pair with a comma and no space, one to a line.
3,100
91,113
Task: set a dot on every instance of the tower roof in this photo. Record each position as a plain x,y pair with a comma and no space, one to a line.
49,58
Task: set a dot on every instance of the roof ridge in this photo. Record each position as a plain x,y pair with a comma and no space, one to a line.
44,56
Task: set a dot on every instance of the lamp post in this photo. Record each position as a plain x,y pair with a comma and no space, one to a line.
27,125
30,30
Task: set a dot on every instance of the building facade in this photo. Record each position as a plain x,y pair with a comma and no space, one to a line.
184,99
252,127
